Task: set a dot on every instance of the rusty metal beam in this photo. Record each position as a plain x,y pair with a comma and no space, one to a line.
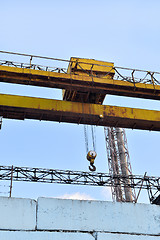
78,82
19,107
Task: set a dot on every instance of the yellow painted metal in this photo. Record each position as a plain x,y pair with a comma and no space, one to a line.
78,82
91,155
84,65
88,67
19,107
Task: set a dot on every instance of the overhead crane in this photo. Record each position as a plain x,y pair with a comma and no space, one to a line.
84,85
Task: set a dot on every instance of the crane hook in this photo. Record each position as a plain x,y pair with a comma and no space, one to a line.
91,155
92,168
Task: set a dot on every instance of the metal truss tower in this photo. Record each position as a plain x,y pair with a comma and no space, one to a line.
119,164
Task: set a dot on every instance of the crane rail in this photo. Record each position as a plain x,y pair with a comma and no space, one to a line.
43,175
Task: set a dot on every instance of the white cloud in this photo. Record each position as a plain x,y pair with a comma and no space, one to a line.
106,192
77,195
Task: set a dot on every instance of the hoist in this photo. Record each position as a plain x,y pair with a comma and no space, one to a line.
85,85
93,68
90,154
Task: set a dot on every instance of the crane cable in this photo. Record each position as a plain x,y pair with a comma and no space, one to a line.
93,137
86,137
90,155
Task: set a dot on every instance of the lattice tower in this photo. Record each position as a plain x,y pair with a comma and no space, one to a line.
119,164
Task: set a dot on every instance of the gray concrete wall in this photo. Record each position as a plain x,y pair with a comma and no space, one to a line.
17,214
97,216
60,219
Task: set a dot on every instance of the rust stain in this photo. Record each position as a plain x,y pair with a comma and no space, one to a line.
111,111
124,111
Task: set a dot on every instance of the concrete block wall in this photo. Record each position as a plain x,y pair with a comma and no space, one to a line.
17,214
59,219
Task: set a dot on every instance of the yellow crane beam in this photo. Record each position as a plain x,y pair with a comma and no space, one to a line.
20,107
75,82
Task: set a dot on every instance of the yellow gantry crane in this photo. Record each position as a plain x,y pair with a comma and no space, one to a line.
84,85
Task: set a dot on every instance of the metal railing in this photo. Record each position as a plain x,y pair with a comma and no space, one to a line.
149,77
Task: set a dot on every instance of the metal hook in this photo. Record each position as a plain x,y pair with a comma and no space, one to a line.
92,167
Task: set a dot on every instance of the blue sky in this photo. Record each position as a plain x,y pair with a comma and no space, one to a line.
124,32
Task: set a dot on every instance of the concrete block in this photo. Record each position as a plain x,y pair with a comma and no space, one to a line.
112,236
22,235
17,214
60,214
